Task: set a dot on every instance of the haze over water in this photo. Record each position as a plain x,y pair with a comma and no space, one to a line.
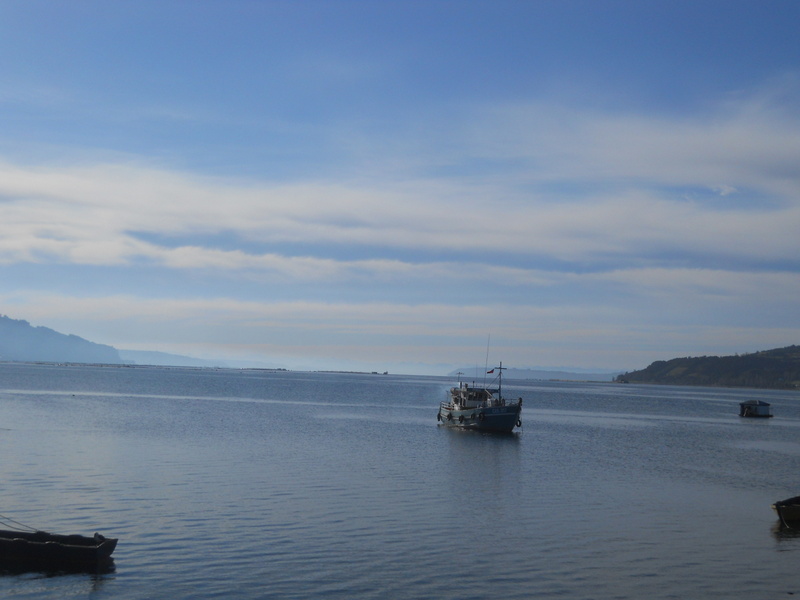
254,484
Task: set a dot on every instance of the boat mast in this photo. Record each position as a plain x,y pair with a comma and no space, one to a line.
500,381
486,363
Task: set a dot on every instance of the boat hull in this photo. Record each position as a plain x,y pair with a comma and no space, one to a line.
755,409
55,550
788,511
500,419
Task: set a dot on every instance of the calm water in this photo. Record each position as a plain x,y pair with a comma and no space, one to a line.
227,484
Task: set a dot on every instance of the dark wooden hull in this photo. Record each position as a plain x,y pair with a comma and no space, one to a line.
788,511
52,550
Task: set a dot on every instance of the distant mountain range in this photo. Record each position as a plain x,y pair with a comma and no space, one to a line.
777,369
20,341
149,357
558,374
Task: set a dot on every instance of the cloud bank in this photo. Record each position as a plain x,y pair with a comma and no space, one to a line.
571,232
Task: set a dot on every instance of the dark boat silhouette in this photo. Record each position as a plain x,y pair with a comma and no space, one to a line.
53,550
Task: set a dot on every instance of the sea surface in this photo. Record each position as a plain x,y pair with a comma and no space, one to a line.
255,484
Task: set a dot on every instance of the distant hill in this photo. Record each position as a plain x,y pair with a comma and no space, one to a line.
22,342
152,358
19,341
777,369
564,374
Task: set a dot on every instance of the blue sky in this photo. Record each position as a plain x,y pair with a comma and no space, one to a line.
385,185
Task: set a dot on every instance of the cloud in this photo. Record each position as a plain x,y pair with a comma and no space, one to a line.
744,145
90,215
558,229
724,190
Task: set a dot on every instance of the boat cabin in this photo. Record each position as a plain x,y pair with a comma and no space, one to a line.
755,408
465,397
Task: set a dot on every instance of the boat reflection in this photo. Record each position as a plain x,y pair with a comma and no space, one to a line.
782,531
21,567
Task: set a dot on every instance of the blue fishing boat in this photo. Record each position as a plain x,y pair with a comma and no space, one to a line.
480,408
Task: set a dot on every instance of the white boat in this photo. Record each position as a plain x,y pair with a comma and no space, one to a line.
480,408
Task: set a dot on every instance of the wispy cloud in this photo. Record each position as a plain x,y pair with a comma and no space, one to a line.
565,228
640,187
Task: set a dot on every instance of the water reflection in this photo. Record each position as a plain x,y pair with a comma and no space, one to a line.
52,581
480,465
783,532
21,567
343,486
508,437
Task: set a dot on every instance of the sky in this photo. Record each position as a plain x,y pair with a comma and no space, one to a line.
404,185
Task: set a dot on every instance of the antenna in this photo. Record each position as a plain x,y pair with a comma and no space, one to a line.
486,364
501,368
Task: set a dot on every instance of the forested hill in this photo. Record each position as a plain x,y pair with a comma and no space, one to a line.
779,368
